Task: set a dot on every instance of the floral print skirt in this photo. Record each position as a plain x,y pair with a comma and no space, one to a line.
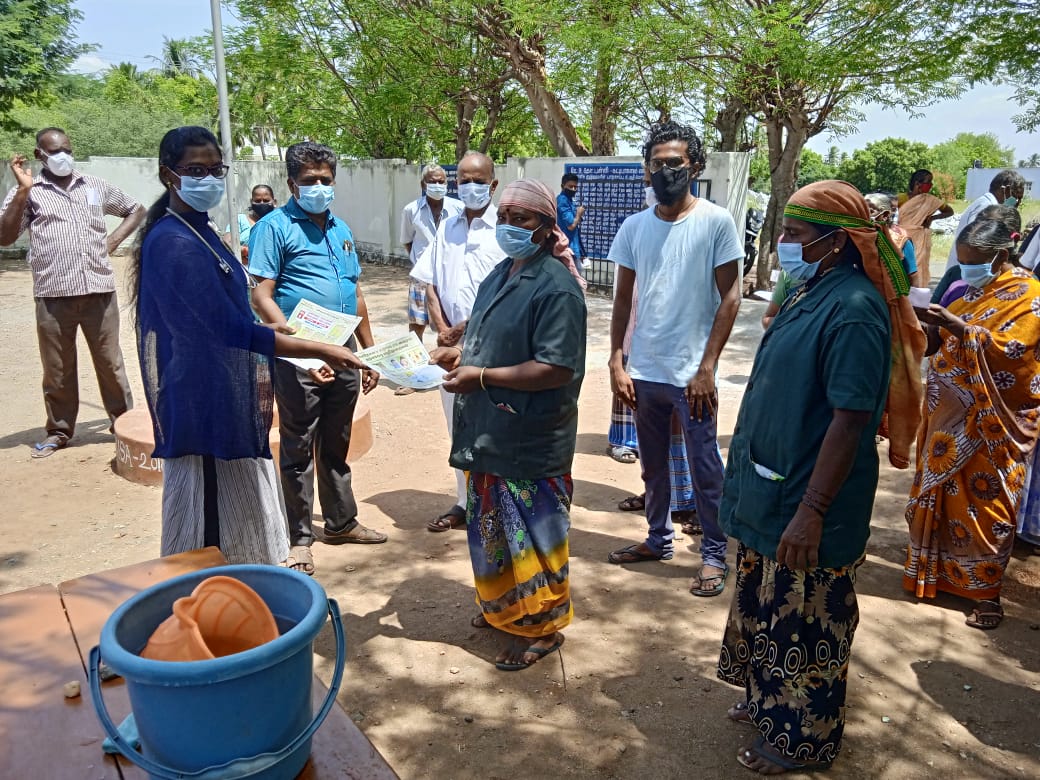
962,531
518,546
787,644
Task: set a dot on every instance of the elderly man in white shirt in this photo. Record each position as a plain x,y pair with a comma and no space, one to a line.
461,255
419,222
1006,189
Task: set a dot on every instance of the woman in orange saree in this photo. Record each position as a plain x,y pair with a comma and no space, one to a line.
915,217
981,408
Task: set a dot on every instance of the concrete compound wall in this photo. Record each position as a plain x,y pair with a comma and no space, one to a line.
370,194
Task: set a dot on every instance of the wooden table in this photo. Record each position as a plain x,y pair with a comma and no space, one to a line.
45,636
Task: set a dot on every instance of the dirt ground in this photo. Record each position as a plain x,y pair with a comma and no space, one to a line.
928,696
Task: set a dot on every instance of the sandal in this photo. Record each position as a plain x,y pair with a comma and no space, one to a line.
633,503
623,454
739,713
300,559
759,754
986,615
480,622
688,522
702,587
541,653
632,554
49,446
453,518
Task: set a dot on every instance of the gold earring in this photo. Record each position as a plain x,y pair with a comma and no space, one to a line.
837,250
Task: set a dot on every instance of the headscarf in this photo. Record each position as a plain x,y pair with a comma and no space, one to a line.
838,204
532,195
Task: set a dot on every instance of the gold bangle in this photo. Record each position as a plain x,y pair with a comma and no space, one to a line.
482,386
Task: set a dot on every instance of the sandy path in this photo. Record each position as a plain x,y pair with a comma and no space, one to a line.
641,699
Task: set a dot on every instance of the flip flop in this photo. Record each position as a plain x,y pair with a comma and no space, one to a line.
453,518
623,455
700,590
739,713
687,522
541,653
757,750
631,554
48,446
986,615
633,503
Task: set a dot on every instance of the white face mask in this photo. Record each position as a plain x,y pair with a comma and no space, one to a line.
436,191
474,195
60,164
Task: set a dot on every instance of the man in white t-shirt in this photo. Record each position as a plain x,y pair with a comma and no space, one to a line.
1005,189
686,255
462,254
419,222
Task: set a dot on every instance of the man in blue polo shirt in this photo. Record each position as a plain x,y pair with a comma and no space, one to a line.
302,251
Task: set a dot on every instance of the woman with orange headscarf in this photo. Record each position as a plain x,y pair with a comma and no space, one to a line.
803,470
516,419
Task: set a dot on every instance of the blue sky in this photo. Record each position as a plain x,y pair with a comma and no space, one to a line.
133,30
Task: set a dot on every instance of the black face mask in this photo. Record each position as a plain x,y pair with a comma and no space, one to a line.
670,186
261,209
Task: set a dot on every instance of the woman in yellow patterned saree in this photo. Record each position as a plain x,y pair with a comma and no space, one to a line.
981,408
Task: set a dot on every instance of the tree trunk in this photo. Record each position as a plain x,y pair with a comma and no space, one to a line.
494,109
527,59
730,122
263,139
464,110
603,130
785,151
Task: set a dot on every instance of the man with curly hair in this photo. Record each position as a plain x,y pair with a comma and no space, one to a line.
685,254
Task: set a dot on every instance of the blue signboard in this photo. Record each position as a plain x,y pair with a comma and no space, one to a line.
610,192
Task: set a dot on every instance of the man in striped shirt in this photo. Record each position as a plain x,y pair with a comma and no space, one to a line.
73,281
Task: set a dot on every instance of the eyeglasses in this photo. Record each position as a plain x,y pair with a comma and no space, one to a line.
672,163
201,171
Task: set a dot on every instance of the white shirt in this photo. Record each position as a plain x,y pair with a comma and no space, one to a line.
418,227
458,260
966,219
674,264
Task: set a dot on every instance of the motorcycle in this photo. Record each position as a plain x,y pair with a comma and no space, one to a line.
753,223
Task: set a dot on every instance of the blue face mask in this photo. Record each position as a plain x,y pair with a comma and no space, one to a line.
516,241
316,198
1012,201
978,276
790,255
201,194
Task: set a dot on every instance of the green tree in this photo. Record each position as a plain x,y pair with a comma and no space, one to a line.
37,43
813,168
885,165
1007,49
801,66
1033,161
956,155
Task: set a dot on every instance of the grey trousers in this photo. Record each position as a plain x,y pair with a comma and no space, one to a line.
57,321
314,423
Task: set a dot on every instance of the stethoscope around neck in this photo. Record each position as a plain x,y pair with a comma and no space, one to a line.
225,266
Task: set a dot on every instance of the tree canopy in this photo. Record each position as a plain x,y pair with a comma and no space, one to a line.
37,43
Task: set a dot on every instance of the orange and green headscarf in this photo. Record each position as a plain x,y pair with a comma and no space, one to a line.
838,204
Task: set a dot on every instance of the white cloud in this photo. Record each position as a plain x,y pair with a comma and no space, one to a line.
90,63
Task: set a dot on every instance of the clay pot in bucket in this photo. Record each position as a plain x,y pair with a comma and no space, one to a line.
244,715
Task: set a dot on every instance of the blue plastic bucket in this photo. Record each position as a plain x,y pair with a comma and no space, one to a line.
246,715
